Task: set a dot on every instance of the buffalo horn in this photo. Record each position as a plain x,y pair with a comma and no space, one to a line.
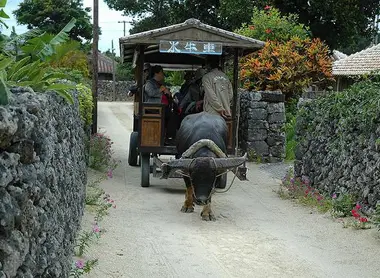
175,164
228,163
203,143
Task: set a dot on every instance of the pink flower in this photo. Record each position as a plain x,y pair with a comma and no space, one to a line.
358,206
110,174
96,229
268,31
334,196
267,7
292,180
79,264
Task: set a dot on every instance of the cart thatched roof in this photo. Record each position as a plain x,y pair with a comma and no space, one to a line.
363,62
190,30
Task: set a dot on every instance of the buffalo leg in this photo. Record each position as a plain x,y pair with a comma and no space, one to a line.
207,213
188,206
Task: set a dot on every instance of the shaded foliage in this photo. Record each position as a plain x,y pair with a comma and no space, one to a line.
52,15
339,23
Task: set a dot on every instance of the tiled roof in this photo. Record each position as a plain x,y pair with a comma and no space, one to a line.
105,64
362,62
337,55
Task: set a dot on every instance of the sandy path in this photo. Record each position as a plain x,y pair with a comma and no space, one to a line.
256,233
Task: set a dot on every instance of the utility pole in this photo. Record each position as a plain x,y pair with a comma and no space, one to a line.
95,28
124,22
113,73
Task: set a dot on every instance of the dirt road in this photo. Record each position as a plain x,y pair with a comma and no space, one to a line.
256,233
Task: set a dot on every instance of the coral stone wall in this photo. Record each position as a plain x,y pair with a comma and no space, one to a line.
42,184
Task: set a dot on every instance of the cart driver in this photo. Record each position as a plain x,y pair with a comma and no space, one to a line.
218,93
155,91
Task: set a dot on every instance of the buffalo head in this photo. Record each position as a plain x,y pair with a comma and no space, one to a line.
203,173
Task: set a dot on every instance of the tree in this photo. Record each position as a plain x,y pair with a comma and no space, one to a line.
270,24
340,23
235,13
52,15
154,14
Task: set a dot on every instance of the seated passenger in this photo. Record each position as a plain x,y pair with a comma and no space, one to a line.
154,87
156,92
185,86
192,101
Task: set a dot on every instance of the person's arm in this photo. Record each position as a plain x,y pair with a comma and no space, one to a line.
210,93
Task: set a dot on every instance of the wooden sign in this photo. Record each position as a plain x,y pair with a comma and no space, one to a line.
191,47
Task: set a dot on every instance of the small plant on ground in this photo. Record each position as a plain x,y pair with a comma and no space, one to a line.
358,221
376,216
339,205
342,204
101,153
300,190
100,203
81,267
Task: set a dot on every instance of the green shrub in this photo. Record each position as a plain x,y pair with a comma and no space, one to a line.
290,129
342,204
85,103
101,153
269,24
352,111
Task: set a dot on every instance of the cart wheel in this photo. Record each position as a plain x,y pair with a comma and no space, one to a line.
222,181
145,169
133,154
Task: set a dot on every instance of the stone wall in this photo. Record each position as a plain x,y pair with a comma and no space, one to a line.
42,184
336,159
106,93
262,124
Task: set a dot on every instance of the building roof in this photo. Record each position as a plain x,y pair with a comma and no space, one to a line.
362,62
337,55
190,30
105,64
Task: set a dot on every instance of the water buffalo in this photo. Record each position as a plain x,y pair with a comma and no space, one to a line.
201,144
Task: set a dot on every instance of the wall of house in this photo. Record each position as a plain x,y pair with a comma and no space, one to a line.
42,184
262,125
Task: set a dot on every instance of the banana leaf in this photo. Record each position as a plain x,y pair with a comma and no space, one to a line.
4,93
62,90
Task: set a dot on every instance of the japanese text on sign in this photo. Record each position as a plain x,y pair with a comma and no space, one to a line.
194,47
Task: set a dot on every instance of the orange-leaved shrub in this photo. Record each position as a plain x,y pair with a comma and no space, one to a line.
288,66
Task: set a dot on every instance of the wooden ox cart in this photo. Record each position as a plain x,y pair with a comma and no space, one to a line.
183,46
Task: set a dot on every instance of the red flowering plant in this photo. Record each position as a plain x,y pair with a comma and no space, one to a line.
360,221
301,190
